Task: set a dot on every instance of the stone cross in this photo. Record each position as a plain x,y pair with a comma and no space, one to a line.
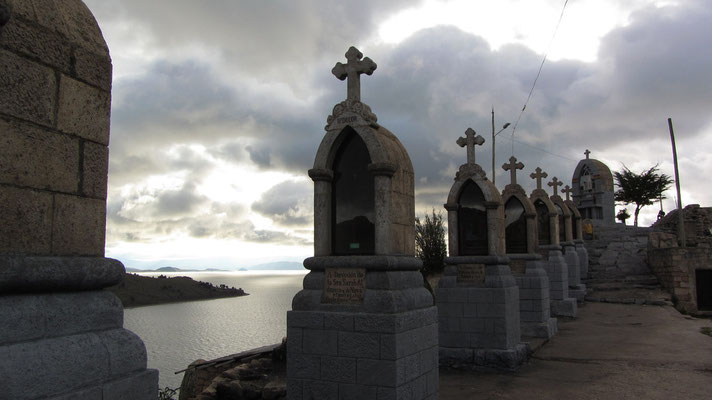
512,167
587,152
538,175
568,191
470,141
352,71
555,184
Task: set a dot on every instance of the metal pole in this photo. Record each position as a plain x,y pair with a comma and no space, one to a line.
493,135
680,216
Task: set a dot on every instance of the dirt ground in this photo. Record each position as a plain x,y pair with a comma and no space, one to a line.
611,351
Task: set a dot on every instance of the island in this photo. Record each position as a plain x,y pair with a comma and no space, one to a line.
136,290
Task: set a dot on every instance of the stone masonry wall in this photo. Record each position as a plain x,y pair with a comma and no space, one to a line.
675,269
55,90
617,251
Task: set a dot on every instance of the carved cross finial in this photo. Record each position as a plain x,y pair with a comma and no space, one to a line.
538,175
568,191
352,71
555,184
512,167
470,140
587,152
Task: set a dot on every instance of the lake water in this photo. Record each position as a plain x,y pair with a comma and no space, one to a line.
177,334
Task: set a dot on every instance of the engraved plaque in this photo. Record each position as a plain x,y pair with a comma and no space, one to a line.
344,285
471,274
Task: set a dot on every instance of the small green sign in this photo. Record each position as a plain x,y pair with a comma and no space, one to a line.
354,245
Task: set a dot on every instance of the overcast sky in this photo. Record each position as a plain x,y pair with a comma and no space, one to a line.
218,107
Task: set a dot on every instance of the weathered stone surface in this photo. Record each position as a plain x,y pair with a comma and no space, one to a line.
93,68
38,43
83,110
48,274
79,226
141,385
52,164
26,217
27,89
95,170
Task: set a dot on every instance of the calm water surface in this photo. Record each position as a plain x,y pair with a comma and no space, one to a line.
177,334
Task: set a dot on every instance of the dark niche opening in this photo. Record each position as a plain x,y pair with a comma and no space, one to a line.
542,223
472,221
516,226
562,223
703,282
352,202
575,224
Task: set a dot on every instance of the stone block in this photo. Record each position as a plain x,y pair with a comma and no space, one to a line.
339,369
339,321
23,8
30,40
92,393
304,366
393,279
139,386
27,89
95,170
79,226
317,341
450,324
319,390
38,369
126,351
564,308
357,344
414,389
472,325
432,382
357,392
93,68
26,217
38,158
83,110
378,372
454,339
294,340
70,313
451,310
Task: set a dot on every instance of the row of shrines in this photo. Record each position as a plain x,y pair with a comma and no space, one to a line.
364,325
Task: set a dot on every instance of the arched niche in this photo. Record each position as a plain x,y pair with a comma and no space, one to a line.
562,223
565,230
515,226
362,174
352,200
576,220
470,192
472,221
542,222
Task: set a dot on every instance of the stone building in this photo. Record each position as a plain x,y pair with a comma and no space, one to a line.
61,335
521,243
593,190
364,326
477,297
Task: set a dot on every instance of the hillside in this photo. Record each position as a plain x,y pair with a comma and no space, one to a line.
136,290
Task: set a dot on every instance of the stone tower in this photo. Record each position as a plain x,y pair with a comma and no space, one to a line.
61,336
592,190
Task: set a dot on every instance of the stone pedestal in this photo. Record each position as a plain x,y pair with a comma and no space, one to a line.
62,337
372,335
534,298
583,258
562,305
479,320
576,289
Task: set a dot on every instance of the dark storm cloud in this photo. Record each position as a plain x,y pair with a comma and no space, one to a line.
288,204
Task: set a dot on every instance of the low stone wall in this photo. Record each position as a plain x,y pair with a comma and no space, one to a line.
675,268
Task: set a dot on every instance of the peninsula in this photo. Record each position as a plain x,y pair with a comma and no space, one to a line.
136,290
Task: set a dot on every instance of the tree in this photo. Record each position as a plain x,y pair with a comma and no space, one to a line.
640,189
430,243
623,215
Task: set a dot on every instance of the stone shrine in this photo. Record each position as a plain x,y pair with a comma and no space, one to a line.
520,243
578,234
364,326
548,236
566,239
593,191
61,335
477,297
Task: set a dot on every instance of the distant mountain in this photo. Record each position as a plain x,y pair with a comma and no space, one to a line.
174,269
279,265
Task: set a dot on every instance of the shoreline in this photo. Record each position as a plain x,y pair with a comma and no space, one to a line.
137,290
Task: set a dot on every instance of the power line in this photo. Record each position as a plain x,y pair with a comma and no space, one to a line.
546,54
540,149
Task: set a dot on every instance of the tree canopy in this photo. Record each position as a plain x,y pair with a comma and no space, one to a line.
640,189
430,243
